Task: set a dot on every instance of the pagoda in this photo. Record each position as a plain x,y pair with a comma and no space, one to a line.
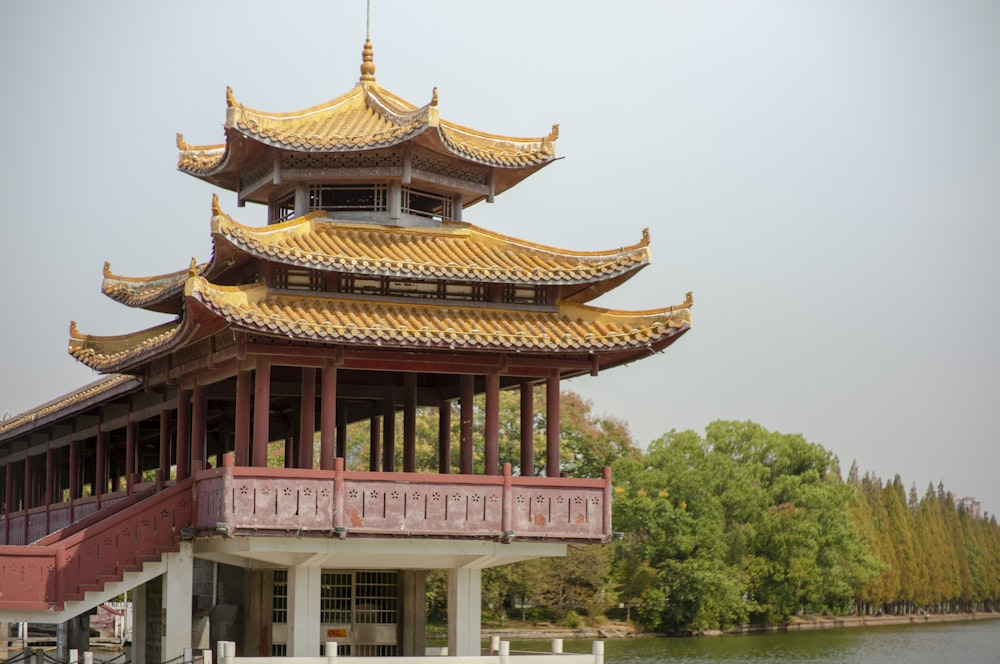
211,472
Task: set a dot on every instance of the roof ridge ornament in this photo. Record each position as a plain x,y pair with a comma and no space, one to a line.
367,62
230,99
216,209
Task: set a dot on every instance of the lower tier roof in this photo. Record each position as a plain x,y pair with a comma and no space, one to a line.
338,319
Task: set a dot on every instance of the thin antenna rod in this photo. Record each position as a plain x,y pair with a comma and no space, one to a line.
368,18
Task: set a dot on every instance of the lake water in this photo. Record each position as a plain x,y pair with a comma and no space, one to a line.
973,642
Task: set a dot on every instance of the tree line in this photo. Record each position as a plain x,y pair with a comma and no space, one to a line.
740,525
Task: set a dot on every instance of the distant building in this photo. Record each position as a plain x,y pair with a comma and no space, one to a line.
971,506
366,297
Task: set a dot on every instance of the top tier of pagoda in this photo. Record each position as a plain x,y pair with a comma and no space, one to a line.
408,166
365,248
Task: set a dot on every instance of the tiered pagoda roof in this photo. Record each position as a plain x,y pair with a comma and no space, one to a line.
365,119
454,251
432,284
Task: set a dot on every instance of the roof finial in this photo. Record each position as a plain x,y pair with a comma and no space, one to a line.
367,62
367,55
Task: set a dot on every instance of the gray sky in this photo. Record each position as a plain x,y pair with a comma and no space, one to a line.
825,176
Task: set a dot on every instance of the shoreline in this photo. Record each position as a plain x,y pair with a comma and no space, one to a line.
798,624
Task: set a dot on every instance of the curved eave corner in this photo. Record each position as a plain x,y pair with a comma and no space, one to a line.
151,293
200,160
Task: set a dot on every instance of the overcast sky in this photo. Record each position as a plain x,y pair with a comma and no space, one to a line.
825,176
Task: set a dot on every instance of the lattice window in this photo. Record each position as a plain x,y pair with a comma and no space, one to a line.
464,291
282,207
448,168
347,197
519,294
427,204
290,278
279,604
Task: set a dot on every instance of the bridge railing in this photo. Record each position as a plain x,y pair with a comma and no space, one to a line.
242,500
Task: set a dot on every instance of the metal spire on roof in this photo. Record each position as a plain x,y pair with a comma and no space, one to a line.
367,55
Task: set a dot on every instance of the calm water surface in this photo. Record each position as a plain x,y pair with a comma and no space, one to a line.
975,642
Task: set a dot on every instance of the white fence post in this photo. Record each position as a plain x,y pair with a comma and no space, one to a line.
227,652
504,652
598,650
556,646
74,656
88,657
188,654
206,657
494,644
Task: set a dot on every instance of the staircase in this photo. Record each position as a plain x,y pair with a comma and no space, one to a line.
96,551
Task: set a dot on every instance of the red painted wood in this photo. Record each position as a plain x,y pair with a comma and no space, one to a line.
183,434
328,417
261,411
466,395
242,439
410,422
552,424
444,437
491,455
307,418
527,428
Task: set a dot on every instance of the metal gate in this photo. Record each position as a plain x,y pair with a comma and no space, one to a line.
358,609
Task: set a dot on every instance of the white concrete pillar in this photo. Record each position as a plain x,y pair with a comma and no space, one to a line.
303,611
177,600
139,623
465,608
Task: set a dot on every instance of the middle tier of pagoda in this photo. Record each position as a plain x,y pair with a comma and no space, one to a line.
456,287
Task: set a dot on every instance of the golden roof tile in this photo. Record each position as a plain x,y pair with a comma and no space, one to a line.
63,404
117,353
572,328
146,292
454,250
363,118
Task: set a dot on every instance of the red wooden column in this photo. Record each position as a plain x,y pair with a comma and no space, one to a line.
261,411
491,454
130,472
183,460
199,408
307,417
163,472
527,428
328,417
389,430
50,475
241,439
101,464
552,424
8,497
466,390
444,437
50,484
29,485
410,422
342,429
74,468
374,442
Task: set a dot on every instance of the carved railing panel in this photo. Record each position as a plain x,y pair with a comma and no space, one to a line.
422,508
